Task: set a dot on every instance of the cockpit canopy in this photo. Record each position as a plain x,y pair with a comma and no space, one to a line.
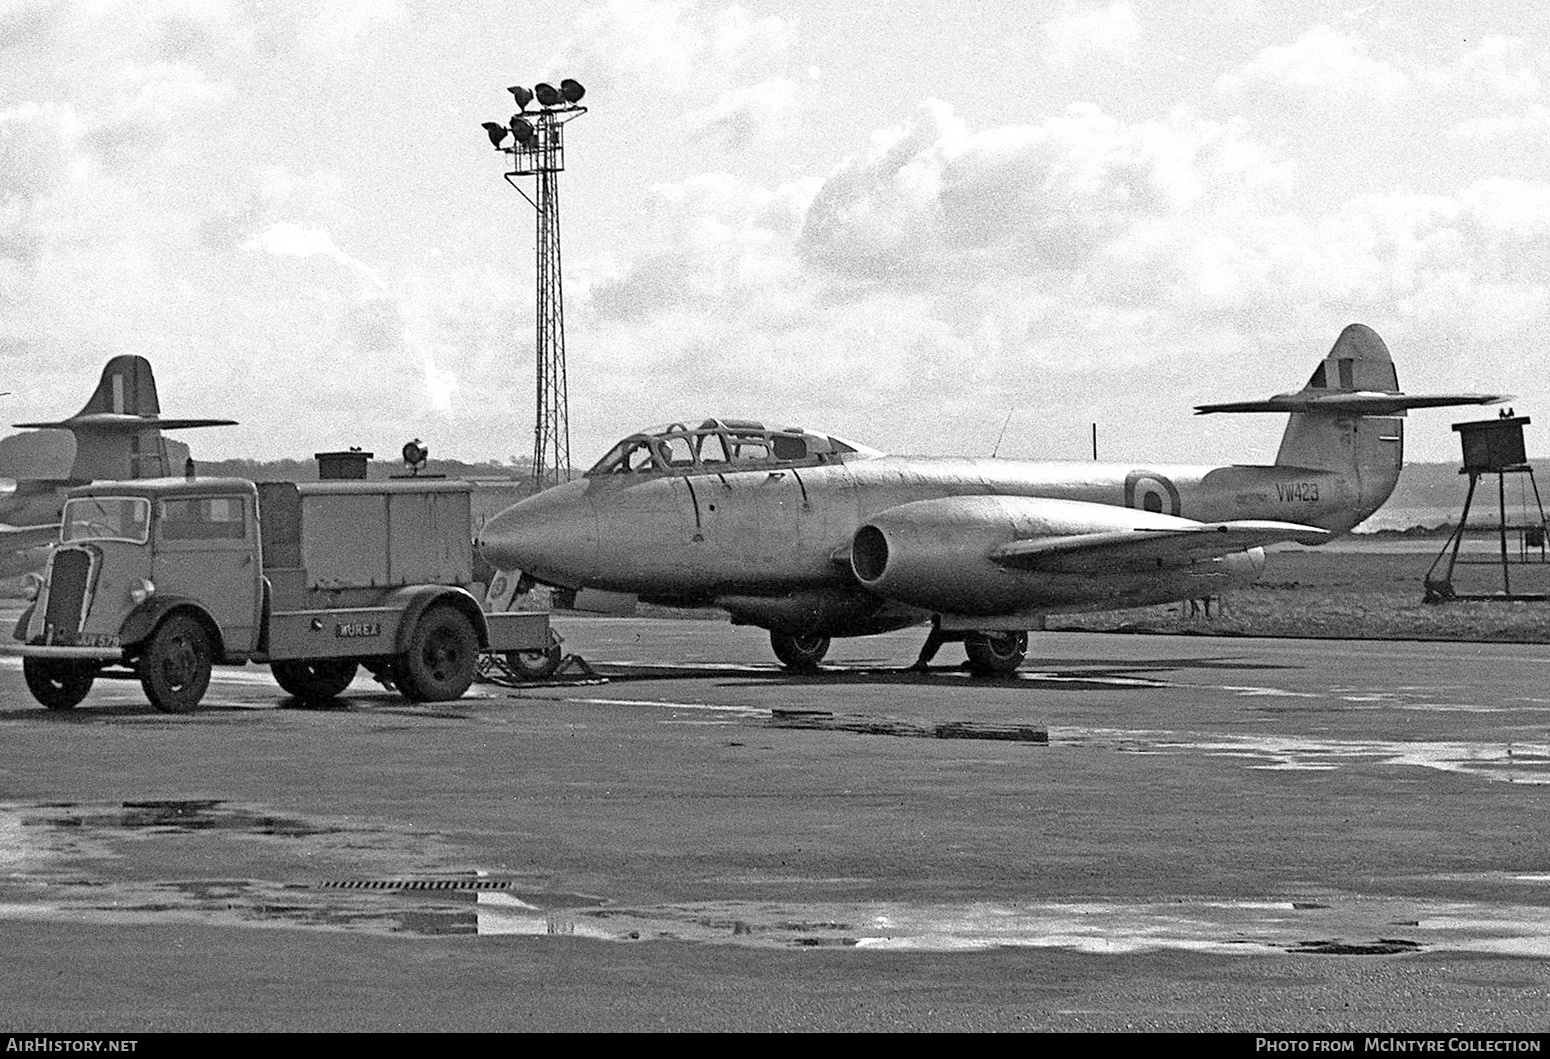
723,445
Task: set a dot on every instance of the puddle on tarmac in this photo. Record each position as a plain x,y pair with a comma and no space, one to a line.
1419,698
68,863
1514,762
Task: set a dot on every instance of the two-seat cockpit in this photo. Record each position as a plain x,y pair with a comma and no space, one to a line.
722,446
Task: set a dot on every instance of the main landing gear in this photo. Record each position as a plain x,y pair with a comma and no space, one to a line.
800,654
991,654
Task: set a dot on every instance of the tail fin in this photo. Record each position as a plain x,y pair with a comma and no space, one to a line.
1347,418
118,432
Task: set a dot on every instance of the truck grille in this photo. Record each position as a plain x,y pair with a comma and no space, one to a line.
67,589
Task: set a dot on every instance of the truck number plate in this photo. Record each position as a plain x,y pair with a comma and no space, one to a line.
66,638
358,628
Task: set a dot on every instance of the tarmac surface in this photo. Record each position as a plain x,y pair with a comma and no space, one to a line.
1219,834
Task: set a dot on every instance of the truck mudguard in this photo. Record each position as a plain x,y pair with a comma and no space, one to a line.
417,599
142,621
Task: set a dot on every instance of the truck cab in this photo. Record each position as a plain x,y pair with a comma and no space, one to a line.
160,579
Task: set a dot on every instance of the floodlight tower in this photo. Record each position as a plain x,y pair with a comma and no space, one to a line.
537,149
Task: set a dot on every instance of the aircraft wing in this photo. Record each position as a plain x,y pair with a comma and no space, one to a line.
1174,546
1359,403
15,538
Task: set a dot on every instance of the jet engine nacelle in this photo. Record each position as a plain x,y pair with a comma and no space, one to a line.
940,555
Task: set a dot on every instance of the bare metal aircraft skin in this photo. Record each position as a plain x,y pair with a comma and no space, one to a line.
812,537
116,435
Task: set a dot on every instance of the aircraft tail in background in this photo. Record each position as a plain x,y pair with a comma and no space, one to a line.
118,432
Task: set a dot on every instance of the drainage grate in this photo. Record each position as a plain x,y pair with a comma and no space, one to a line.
417,884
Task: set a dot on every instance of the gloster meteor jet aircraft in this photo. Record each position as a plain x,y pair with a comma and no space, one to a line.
812,537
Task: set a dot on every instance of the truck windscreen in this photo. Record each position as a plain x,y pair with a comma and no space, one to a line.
107,518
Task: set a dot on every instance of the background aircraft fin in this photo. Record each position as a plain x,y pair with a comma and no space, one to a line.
118,432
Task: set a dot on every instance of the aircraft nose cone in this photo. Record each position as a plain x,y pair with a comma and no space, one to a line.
552,536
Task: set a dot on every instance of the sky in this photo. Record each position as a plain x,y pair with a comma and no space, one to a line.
913,225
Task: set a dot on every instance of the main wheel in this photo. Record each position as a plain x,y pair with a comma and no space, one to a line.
799,653
58,685
539,664
995,654
175,665
442,658
314,680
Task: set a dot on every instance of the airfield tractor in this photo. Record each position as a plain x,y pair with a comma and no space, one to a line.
158,579
537,149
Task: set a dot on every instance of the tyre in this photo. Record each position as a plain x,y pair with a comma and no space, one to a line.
314,680
442,658
800,654
995,654
175,665
58,685
536,665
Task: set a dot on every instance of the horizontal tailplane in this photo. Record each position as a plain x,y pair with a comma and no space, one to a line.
1356,379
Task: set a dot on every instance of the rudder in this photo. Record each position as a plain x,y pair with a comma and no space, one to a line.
127,387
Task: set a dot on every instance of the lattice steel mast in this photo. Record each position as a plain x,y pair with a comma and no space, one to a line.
537,150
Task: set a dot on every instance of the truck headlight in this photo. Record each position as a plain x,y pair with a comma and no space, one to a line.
144,590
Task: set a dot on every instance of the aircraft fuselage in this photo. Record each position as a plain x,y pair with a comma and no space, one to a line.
773,544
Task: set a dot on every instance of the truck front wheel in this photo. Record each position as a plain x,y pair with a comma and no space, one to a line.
58,685
314,680
175,666
442,658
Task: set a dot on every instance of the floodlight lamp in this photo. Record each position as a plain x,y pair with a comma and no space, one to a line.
571,90
522,95
548,95
496,132
415,454
522,129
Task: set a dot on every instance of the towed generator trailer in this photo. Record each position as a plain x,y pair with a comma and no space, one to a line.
159,579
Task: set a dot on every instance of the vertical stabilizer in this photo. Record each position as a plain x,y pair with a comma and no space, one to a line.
118,432
1334,440
1370,449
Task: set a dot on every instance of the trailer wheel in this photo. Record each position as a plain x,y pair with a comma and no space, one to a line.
175,666
58,685
539,664
798,653
442,658
995,654
314,680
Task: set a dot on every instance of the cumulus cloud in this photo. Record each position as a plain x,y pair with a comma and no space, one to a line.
1502,67
1322,63
672,45
749,112
1080,36
1020,199
942,267
290,240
